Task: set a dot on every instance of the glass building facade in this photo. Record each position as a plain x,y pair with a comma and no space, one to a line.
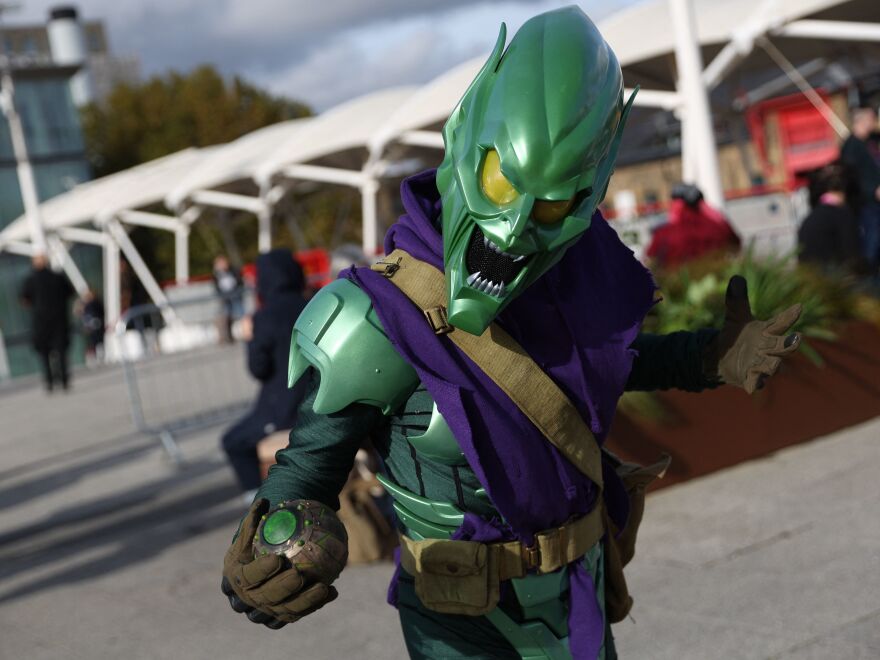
57,153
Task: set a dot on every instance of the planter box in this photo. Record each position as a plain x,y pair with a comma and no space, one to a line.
719,428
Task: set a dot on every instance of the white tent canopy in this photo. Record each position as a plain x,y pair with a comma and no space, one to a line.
717,21
234,161
347,126
429,105
106,202
93,201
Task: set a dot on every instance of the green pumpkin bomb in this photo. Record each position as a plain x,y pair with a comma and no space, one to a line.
309,534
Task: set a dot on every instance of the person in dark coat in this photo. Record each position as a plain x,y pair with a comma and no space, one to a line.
93,325
860,154
230,287
829,235
48,295
280,284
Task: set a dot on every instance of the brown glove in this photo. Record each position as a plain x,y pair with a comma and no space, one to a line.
267,589
747,351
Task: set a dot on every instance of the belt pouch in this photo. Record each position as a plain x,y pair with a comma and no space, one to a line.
453,577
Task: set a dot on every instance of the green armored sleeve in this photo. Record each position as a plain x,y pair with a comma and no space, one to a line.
355,379
316,463
340,335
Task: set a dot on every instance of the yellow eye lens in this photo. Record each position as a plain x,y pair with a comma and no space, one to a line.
496,187
546,212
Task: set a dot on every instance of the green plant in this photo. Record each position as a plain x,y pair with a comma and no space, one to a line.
693,295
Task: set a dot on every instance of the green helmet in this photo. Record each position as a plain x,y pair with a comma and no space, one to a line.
529,152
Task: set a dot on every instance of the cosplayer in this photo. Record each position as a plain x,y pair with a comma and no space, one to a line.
483,356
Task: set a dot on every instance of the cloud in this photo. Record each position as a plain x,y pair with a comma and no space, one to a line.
411,50
321,52
234,34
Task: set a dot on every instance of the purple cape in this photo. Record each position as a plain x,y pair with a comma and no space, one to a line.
577,322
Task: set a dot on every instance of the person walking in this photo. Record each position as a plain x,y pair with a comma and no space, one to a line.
48,295
280,284
230,288
859,154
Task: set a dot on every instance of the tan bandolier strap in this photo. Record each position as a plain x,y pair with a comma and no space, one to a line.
552,549
504,361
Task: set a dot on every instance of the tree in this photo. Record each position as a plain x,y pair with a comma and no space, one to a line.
138,123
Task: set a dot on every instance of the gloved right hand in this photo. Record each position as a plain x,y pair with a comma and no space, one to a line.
268,589
747,351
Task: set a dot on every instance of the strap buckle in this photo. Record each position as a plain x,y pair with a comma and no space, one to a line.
387,268
531,557
437,320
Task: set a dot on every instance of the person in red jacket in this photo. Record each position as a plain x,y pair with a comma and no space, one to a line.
694,229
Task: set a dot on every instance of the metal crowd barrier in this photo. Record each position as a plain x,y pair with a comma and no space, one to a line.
181,372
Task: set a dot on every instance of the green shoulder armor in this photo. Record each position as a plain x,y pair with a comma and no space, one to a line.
340,335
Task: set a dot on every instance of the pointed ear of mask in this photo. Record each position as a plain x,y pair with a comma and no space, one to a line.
488,69
606,169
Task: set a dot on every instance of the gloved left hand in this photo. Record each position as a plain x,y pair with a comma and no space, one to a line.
747,351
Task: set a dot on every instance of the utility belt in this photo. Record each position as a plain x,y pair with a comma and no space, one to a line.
464,577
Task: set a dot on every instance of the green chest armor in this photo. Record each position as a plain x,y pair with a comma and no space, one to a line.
437,442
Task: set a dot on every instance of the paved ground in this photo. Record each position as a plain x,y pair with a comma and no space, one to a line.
109,551
777,558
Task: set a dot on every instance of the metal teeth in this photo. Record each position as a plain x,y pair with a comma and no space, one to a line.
497,250
486,285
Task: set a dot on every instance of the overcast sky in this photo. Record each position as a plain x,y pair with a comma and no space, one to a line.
318,51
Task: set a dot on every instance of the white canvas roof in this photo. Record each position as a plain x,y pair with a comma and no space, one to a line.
347,126
645,31
430,104
138,187
236,160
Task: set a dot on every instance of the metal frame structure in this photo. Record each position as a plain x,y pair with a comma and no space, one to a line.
768,19
96,213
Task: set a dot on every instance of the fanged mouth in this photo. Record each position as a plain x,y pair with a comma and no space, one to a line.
490,268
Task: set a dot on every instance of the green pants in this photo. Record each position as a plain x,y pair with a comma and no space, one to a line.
431,635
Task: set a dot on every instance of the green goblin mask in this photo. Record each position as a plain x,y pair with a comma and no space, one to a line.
529,151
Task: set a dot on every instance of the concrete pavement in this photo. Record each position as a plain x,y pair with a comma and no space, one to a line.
776,558
109,551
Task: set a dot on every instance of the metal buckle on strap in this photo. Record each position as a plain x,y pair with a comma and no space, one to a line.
531,557
548,552
437,320
387,268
